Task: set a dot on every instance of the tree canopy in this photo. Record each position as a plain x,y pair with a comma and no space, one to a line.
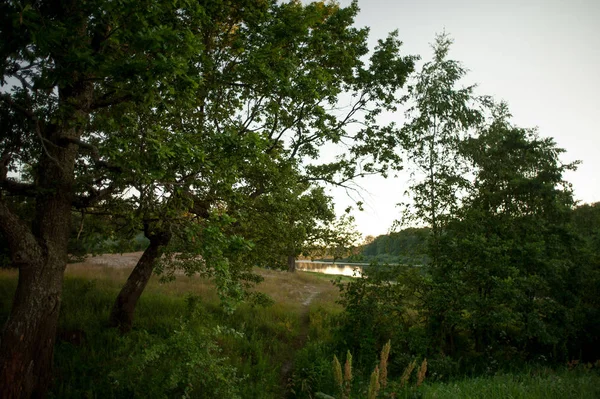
174,119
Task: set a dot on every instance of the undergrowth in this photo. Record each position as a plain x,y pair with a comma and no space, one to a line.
185,345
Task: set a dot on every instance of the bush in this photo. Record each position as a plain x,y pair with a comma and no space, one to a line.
379,307
312,371
185,364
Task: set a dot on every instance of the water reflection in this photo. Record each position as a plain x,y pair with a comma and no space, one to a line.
338,269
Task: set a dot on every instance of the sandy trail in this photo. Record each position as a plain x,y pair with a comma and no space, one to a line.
313,292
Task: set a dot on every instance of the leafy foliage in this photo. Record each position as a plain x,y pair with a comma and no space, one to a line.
586,223
440,115
239,137
505,276
186,364
383,297
514,264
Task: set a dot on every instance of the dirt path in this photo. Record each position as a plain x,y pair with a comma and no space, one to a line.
311,296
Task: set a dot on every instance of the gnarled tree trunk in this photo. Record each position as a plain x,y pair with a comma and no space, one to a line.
40,253
123,309
29,334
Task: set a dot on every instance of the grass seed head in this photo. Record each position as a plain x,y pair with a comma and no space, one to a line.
337,372
383,361
374,384
407,373
421,373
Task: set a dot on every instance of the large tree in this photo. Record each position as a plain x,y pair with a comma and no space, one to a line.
61,63
160,111
272,79
586,223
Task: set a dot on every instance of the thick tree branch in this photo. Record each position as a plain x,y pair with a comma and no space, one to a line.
258,192
107,101
95,197
4,161
95,154
17,188
24,248
199,207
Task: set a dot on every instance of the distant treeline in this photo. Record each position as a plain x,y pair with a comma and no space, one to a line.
405,246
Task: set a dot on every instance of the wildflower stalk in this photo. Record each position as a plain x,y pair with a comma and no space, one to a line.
407,372
383,361
337,374
421,373
347,376
374,384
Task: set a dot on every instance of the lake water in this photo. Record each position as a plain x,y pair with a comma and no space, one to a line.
338,269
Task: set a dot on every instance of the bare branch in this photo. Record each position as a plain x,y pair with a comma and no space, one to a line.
24,82
43,141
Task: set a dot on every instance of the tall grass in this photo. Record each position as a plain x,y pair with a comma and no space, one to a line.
560,385
185,345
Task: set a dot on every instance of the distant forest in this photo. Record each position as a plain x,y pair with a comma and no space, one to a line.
405,246
409,246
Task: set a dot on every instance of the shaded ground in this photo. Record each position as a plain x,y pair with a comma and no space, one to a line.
311,292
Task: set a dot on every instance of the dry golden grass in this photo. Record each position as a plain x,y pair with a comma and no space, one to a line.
294,290
8,273
383,363
116,274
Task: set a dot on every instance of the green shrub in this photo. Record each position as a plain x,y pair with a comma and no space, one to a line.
379,307
188,363
313,371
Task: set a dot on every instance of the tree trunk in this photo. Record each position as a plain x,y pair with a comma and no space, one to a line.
28,338
40,252
123,309
291,263
26,347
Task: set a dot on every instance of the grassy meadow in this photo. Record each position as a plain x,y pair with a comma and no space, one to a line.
184,344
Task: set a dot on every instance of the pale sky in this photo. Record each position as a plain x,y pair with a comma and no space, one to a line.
541,57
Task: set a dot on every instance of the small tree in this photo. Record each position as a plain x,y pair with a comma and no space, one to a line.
440,115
